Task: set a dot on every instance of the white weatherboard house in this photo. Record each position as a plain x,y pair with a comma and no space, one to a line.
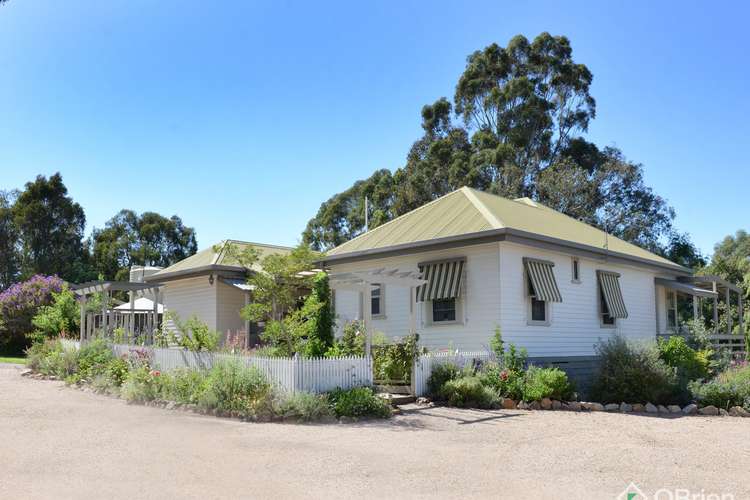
211,285
554,285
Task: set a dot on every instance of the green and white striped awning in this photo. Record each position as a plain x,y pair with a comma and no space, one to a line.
542,279
443,280
610,287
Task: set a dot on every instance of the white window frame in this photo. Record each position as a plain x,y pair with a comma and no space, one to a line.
575,262
672,306
459,313
600,310
381,313
528,295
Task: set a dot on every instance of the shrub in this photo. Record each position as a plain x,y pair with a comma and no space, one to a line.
507,383
729,388
40,350
92,359
358,402
303,406
61,318
142,384
690,364
195,335
441,374
540,383
393,361
186,386
233,387
469,392
116,371
19,304
352,342
633,373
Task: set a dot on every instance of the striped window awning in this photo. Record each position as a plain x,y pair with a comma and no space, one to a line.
610,287
542,279
443,280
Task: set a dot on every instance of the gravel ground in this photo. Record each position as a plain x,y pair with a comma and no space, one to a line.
59,442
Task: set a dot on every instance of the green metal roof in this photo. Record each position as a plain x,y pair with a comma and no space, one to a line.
208,258
467,211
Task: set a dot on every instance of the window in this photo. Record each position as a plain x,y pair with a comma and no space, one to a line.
377,300
671,310
576,270
537,313
606,317
443,310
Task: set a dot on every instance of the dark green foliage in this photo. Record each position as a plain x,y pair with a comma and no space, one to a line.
690,364
729,388
393,361
441,374
61,318
50,227
358,402
540,383
522,109
93,359
147,239
506,382
351,343
634,374
317,316
186,386
116,371
469,392
10,258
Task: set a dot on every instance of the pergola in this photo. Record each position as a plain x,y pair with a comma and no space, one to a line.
364,282
109,319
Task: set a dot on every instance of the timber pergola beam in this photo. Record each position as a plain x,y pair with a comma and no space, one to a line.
717,286
83,290
364,282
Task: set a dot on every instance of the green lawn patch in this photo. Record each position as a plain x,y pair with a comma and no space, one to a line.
16,360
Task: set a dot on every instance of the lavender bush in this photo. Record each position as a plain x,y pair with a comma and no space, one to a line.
19,304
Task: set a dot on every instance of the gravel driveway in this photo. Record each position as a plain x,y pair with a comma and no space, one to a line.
59,442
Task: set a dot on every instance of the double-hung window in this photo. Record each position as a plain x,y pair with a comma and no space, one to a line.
541,290
377,299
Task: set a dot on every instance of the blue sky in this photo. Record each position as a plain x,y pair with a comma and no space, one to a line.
243,117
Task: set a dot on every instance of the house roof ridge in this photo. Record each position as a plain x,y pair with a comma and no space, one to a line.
482,208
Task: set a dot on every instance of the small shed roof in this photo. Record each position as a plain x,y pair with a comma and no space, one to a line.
215,259
140,304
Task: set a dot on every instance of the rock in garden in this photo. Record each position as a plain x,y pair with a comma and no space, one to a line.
690,409
596,407
422,401
663,409
535,405
556,405
26,373
572,406
509,404
674,409
639,408
626,408
723,412
738,411
651,408
546,404
523,405
709,410
611,407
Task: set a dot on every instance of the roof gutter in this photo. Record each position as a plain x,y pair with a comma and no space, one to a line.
198,271
503,234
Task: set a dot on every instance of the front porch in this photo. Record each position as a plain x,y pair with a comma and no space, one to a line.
714,302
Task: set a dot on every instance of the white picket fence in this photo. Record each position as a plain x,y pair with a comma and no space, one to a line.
424,364
291,374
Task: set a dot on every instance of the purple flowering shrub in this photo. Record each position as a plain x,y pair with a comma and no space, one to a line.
19,304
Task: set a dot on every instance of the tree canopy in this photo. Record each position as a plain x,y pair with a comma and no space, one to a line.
147,239
9,256
50,229
514,129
